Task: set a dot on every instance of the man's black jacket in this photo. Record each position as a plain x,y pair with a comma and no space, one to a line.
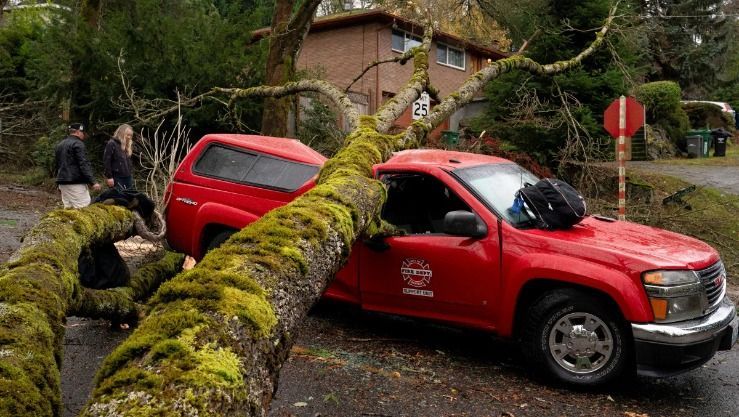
71,164
115,160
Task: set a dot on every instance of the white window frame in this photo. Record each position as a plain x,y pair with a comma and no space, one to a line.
447,64
406,37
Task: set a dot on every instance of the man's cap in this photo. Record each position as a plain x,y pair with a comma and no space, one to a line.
77,126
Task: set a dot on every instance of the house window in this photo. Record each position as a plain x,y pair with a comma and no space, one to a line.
403,41
447,55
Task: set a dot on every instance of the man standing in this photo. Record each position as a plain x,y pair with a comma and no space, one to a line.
73,171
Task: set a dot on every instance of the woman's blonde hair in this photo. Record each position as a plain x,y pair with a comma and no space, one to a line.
120,134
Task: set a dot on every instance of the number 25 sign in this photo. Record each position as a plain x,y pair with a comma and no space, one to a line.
421,106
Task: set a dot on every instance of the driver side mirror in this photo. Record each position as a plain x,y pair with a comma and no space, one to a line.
464,223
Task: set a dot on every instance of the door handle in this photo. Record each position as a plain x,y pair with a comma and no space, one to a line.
377,244
187,201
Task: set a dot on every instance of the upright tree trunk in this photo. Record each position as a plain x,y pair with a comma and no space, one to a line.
289,30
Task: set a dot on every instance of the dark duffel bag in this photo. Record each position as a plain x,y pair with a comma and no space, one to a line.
555,203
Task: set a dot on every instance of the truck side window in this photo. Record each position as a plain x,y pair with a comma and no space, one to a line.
253,168
417,203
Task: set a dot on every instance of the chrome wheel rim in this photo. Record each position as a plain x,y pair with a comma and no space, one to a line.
581,343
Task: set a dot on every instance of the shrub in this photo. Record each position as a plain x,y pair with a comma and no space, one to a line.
662,102
318,128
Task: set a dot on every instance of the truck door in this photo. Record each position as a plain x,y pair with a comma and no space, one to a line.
425,272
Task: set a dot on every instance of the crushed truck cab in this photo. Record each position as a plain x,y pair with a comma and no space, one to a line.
587,304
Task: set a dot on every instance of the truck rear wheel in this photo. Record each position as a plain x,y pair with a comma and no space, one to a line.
218,239
576,338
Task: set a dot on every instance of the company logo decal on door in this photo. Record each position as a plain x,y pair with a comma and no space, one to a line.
417,274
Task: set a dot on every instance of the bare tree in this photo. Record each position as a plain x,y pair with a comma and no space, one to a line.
160,154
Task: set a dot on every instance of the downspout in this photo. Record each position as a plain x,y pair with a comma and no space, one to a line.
377,69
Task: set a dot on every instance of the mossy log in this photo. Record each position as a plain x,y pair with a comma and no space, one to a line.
37,286
124,303
217,335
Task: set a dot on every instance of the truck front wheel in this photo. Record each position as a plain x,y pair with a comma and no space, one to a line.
575,338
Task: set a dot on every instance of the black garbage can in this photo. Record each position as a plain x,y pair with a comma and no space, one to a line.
719,139
719,147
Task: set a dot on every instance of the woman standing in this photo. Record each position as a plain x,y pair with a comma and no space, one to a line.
117,159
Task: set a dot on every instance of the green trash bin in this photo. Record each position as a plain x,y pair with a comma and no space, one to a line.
450,138
707,140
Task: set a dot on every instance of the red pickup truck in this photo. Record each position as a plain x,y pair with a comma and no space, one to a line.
588,304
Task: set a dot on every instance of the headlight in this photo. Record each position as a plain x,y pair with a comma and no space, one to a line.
669,278
675,295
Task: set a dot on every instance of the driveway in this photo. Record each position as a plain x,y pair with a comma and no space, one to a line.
724,178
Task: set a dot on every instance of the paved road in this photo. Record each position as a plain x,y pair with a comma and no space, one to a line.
720,177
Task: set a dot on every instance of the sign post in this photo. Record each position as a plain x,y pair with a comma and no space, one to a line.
421,107
622,119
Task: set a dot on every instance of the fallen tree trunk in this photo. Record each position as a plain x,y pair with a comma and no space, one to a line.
37,286
218,334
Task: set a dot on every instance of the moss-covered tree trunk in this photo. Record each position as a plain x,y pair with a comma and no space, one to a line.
218,334
37,286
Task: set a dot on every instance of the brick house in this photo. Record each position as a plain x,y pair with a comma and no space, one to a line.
339,47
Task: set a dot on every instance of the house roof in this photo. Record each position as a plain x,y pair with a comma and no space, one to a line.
362,16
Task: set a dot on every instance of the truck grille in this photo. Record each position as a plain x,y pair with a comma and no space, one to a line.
714,281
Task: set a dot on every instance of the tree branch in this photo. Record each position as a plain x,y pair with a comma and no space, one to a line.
393,108
340,99
401,59
467,91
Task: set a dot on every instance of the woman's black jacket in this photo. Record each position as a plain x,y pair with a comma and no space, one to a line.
116,162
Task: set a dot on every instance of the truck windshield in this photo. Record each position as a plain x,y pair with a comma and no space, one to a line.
496,184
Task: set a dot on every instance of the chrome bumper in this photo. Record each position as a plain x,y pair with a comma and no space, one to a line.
691,331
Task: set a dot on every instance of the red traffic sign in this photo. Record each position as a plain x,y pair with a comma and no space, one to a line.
634,117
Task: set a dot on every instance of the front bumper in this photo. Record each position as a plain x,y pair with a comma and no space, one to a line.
669,349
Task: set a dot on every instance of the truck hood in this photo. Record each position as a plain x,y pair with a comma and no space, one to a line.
645,247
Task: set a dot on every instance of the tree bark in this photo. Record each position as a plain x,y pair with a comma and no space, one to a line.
289,30
37,286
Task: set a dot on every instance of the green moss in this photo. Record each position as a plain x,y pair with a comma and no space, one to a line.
159,326
250,308
141,379
217,365
150,276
